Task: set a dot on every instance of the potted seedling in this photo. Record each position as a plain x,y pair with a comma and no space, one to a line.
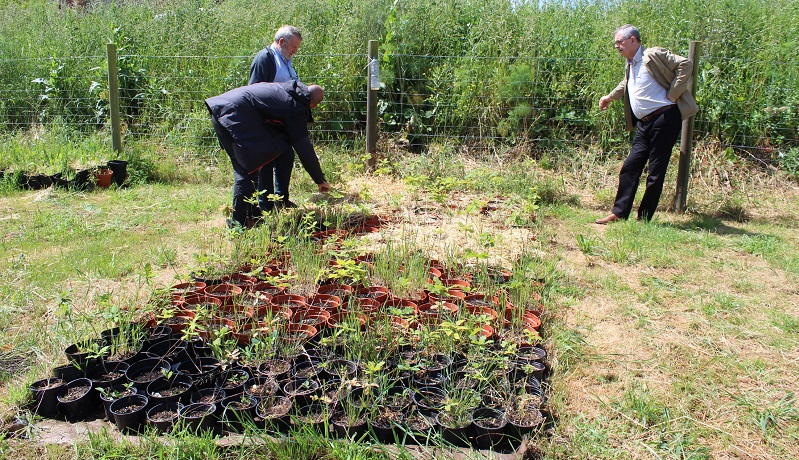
455,415
112,393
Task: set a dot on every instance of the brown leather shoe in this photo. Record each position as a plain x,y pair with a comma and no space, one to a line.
607,220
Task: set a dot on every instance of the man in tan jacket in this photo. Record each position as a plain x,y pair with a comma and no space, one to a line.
656,99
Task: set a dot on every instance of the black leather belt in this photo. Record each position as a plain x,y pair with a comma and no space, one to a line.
656,113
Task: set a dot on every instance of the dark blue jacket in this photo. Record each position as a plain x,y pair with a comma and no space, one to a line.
263,68
264,120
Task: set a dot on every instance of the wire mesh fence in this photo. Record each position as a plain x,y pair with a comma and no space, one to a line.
471,102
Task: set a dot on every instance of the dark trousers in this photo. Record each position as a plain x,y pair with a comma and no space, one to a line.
653,142
244,182
274,178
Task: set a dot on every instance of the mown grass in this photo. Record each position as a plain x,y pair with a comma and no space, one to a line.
670,339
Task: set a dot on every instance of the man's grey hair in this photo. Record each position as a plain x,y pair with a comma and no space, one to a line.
627,31
286,32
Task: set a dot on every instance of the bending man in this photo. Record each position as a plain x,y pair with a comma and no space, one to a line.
255,124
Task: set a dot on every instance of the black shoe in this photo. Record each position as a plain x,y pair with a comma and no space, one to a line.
283,205
253,222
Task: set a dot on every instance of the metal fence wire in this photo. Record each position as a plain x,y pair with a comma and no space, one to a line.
475,102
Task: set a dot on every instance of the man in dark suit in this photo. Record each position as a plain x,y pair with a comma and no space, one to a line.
273,65
255,124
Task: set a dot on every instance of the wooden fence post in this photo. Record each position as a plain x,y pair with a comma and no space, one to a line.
113,97
371,105
687,139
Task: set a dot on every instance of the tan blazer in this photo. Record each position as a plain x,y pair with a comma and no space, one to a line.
672,72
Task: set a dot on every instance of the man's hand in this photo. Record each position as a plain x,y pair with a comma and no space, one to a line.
604,102
324,187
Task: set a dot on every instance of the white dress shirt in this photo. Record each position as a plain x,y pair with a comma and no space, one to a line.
646,95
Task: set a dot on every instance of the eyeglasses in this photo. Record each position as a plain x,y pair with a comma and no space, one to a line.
619,42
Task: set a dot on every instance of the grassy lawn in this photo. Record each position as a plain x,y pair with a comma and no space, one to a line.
677,338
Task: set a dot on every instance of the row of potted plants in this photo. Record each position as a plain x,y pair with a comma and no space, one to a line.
115,171
413,393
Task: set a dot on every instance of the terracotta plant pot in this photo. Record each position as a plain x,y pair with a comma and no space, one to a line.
182,290
225,292
293,301
311,316
377,293
342,291
103,177
327,302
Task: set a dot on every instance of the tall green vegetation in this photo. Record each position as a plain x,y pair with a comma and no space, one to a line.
487,73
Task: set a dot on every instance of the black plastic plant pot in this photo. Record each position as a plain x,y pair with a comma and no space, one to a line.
164,416
175,388
307,368
261,387
198,349
45,394
523,370
386,431
111,394
68,372
233,381
199,417
420,429
153,335
422,379
314,415
106,374
523,424
81,180
489,428
532,353
109,335
119,168
344,428
532,386
172,350
146,371
275,368
208,396
429,400
342,369
274,413
203,371
78,400
455,434
239,410
398,398
361,399
434,370
78,353
301,391
130,413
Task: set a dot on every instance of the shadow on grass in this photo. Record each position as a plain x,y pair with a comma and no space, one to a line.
710,223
